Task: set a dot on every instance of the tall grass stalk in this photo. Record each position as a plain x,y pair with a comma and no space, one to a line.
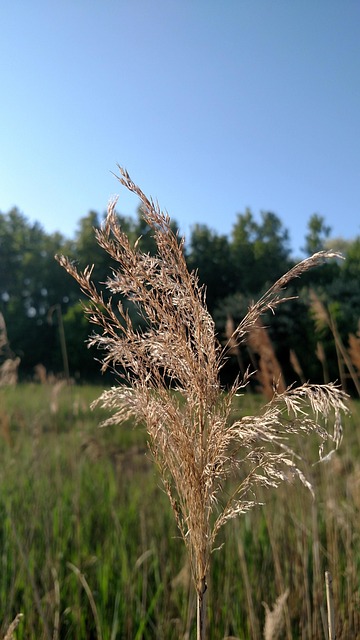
10,631
323,317
196,442
330,606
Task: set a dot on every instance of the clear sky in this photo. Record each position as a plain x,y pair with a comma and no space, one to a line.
212,106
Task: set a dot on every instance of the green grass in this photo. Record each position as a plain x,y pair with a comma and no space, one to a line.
87,536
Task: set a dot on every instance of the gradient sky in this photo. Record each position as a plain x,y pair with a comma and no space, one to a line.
211,106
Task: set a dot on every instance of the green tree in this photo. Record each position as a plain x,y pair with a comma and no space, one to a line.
30,283
351,267
260,251
209,253
343,292
336,286
318,233
82,361
86,250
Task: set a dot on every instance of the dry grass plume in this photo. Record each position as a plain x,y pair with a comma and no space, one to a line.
194,440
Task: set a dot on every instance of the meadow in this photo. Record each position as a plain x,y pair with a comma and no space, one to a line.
89,547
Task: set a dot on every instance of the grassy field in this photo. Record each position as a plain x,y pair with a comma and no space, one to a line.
89,548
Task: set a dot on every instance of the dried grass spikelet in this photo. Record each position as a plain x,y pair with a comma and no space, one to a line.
55,393
324,317
8,363
9,372
274,618
233,347
269,374
40,374
4,342
294,361
321,355
319,311
11,629
194,440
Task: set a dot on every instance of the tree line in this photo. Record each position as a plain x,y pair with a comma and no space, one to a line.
44,315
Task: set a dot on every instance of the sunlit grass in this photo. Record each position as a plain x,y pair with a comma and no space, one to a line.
72,494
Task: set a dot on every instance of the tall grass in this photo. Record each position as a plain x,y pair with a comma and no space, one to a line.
196,443
73,495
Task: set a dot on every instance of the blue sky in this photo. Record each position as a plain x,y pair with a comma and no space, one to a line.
211,106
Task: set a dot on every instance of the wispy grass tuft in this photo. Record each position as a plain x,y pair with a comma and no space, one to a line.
195,440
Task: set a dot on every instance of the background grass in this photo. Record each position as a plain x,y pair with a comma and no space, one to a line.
89,548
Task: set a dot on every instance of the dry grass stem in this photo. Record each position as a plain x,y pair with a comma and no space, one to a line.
322,318
11,629
320,354
269,374
195,442
274,618
297,366
330,605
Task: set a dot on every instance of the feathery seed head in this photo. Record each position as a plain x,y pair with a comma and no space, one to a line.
195,444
